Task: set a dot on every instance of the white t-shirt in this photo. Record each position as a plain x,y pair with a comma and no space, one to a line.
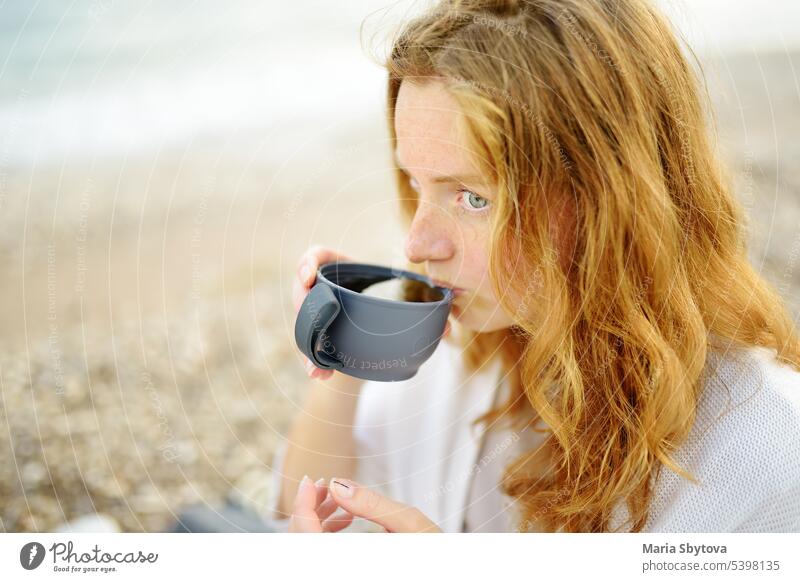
414,444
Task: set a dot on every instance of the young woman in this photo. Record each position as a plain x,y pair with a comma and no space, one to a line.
629,369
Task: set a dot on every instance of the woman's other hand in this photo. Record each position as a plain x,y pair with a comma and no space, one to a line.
313,508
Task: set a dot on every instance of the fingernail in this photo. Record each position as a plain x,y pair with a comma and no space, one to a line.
302,482
320,481
305,273
343,487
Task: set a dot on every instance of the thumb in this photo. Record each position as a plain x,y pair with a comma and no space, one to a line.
364,502
304,516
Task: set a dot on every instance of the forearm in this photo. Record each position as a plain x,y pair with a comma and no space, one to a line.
320,440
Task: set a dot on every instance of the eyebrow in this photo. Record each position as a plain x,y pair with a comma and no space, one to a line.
447,178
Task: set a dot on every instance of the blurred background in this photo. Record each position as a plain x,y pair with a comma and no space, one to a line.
163,166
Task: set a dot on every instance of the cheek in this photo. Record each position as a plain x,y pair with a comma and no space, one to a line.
476,260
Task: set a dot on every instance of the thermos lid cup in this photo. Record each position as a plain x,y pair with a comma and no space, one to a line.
340,327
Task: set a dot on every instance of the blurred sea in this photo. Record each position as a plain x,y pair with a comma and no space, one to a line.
105,77
118,76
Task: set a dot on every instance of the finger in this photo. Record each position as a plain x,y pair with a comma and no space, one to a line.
307,265
446,328
307,271
321,255
337,522
364,502
298,294
304,517
319,373
318,255
322,494
326,508
316,373
310,261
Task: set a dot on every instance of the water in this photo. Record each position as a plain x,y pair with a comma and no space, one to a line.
403,289
106,77
118,76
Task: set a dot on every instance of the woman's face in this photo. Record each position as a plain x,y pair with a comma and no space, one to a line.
451,227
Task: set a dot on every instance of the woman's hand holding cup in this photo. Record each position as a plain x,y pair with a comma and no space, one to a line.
304,280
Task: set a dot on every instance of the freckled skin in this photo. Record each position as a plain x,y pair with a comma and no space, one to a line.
447,234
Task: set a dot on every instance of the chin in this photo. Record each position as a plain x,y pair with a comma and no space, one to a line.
473,320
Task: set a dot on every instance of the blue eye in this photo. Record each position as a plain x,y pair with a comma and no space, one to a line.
474,201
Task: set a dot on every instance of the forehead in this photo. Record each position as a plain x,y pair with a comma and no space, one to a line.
426,125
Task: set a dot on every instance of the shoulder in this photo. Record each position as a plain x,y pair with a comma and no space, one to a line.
750,402
750,408
742,450
760,440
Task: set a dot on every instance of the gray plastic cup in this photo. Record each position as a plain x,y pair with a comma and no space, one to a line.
338,327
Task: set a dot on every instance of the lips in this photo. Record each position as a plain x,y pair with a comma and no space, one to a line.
456,290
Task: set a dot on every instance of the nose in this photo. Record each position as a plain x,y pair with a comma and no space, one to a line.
428,238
